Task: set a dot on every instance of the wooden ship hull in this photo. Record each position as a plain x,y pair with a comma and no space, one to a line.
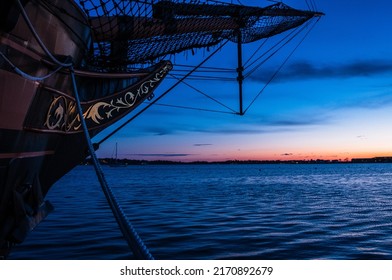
40,130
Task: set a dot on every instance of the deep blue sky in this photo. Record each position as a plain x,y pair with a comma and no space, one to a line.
332,99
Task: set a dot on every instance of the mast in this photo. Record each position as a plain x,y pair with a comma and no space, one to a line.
240,69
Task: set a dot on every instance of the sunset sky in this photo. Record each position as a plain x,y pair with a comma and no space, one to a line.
331,100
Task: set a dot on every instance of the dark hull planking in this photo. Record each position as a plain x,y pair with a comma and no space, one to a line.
40,132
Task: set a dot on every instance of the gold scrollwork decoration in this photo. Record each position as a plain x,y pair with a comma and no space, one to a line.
62,114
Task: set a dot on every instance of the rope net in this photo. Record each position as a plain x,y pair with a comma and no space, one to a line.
130,32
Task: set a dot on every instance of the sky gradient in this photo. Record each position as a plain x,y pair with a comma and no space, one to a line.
331,100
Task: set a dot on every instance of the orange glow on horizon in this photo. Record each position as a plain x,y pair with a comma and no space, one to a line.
288,157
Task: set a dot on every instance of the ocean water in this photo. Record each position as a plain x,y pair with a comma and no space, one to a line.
284,212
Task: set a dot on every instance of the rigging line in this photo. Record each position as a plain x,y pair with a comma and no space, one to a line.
146,2
307,4
273,47
37,37
315,5
47,5
211,74
220,2
196,109
208,78
206,71
161,96
297,31
279,45
24,74
281,66
206,95
134,241
310,5
205,67
184,69
258,49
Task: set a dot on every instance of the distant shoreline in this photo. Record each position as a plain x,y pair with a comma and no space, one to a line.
108,161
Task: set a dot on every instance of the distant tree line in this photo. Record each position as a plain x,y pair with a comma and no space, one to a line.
108,161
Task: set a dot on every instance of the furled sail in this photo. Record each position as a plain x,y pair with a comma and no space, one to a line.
135,32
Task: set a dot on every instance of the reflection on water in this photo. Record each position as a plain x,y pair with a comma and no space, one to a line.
331,211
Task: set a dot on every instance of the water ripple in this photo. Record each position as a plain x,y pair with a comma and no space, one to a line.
341,211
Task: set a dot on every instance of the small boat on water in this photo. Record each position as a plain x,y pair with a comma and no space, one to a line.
115,162
106,56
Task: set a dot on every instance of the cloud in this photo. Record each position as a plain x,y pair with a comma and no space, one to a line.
302,70
237,131
161,155
156,130
287,154
200,145
373,100
182,128
254,126
304,121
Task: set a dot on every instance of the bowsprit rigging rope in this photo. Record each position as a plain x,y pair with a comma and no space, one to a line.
272,51
255,52
208,96
311,5
280,67
134,241
195,108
